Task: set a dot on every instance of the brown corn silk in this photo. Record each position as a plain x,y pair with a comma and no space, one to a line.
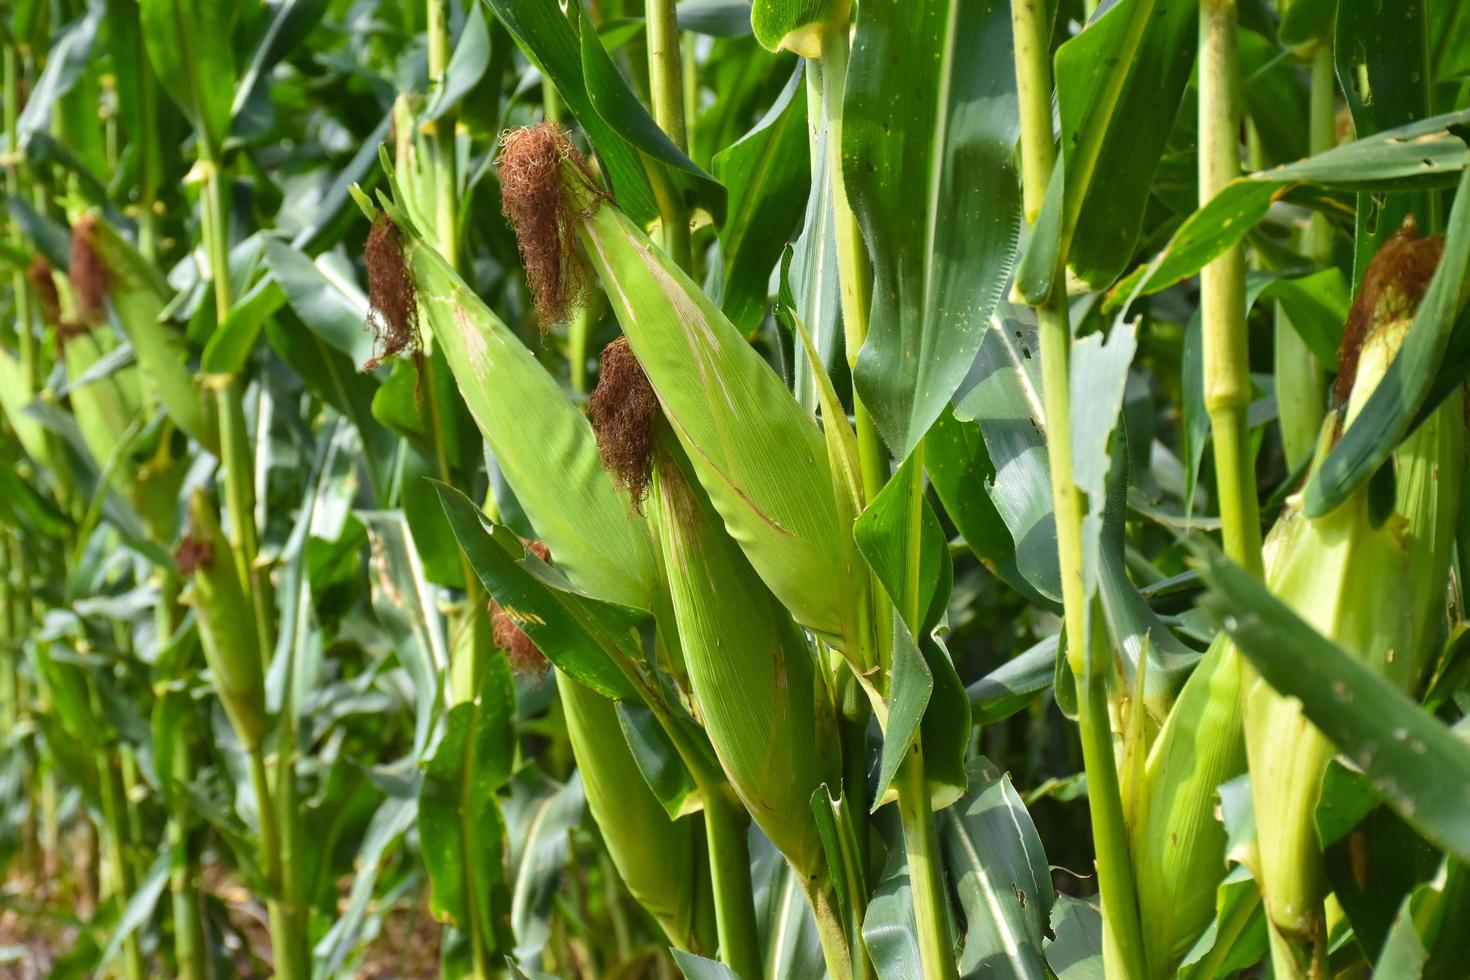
624,412
532,199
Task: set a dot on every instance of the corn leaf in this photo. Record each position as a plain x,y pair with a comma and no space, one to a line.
658,760
1425,154
994,857
790,946
768,180
1112,209
792,24
1076,952
460,824
138,296
889,931
929,127
581,635
1419,766
957,462
1014,684
621,110
541,831
189,45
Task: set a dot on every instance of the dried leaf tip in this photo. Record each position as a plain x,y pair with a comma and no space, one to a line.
393,316
88,274
534,200
624,411
1393,284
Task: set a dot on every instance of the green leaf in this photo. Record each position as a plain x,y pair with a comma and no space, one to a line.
908,697
994,858
546,36
1425,154
657,759
1420,767
696,967
392,819
795,24
1397,401
189,43
766,172
929,129
137,912
459,821
889,930
325,295
957,462
615,102
1014,684
1076,952
1134,135
230,346
465,69
539,858
67,55
579,634
1237,901
403,603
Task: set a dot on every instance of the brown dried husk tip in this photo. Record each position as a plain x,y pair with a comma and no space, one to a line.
533,200
193,554
393,316
1393,285
624,411
44,284
526,658
87,273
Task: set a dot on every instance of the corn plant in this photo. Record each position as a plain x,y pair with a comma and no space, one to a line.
734,488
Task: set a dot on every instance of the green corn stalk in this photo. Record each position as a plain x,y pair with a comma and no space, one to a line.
659,859
1375,588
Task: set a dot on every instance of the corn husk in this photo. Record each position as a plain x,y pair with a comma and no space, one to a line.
753,674
758,455
1374,590
139,296
542,442
1177,841
227,627
660,860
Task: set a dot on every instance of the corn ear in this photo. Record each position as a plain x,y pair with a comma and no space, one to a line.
1372,586
543,443
1177,842
758,455
139,296
755,684
659,859
226,625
